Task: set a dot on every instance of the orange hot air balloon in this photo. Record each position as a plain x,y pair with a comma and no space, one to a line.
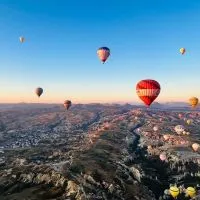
182,50
38,91
163,156
148,90
67,104
166,137
195,146
103,53
193,101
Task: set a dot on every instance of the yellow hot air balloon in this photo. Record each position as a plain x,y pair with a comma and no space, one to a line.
193,101
182,50
174,191
190,191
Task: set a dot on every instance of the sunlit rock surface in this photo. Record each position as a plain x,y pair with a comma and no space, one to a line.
96,151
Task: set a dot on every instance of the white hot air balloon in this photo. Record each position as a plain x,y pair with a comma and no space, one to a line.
195,146
21,39
179,129
155,128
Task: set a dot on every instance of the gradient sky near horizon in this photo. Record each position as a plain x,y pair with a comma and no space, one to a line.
62,38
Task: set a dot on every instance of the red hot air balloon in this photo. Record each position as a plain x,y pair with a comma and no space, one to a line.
103,53
67,104
148,90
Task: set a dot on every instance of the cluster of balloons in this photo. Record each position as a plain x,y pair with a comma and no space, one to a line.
174,192
147,90
67,104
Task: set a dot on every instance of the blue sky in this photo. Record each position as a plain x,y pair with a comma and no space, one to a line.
62,38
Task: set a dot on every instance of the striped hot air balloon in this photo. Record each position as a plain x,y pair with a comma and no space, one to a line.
148,90
103,53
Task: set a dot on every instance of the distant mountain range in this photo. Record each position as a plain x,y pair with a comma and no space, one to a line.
170,105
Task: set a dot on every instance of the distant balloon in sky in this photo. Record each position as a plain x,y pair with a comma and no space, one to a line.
103,53
67,104
21,39
195,146
182,50
148,90
193,101
38,91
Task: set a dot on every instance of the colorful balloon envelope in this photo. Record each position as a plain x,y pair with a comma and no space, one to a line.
190,191
21,39
174,191
182,50
67,104
180,116
38,91
193,101
189,121
195,146
103,53
179,129
148,90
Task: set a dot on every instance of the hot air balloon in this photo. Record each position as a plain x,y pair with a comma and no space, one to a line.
174,191
195,146
103,53
182,50
67,104
163,156
155,128
190,191
148,90
179,129
193,101
39,91
180,115
21,39
189,121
